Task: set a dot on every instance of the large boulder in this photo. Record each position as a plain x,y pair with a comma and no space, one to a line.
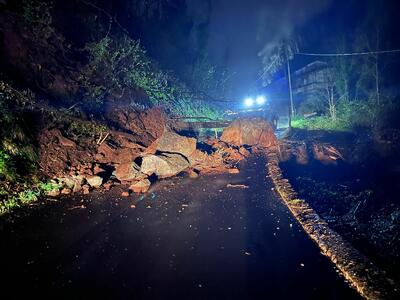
166,165
147,125
141,186
172,142
251,132
128,171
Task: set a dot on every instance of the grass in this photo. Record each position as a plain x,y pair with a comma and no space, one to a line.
320,123
11,199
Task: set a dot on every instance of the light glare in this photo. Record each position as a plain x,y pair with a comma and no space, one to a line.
248,102
260,100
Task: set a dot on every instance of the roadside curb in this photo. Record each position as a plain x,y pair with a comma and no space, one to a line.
370,281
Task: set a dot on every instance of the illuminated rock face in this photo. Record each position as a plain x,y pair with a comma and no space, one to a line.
165,165
171,142
251,132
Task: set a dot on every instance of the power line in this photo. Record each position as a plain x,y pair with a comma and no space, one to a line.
349,54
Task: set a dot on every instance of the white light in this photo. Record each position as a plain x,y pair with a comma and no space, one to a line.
248,102
260,100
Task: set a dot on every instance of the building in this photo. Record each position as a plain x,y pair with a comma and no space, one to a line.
307,82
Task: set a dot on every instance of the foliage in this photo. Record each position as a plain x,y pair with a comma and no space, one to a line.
7,167
275,58
312,104
49,186
209,79
353,115
12,197
117,65
78,129
17,154
37,14
320,123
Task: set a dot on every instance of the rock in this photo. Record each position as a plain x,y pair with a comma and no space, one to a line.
208,164
128,171
67,181
86,189
94,181
326,154
125,194
301,154
107,186
53,193
214,170
166,165
233,171
77,187
140,186
251,132
244,151
193,174
232,155
148,125
97,169
172,142
66,191
63,141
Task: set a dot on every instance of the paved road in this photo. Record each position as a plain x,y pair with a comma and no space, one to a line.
187,239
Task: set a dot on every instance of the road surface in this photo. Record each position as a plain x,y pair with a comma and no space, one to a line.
186,239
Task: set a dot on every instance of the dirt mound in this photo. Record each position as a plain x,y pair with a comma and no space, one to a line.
251,132
112,157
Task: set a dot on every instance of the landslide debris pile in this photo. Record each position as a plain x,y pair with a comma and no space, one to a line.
142,150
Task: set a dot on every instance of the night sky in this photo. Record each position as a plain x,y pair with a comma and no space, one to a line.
241,30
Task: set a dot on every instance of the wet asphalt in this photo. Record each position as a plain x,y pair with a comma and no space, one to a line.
185,239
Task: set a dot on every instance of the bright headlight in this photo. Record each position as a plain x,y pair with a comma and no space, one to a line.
248,102
260,100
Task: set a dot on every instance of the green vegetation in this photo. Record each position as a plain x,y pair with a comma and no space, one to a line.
350,116
26,193
119,66
319,123
82,128
17,153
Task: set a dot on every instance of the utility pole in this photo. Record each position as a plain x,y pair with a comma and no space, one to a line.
378,96
291,111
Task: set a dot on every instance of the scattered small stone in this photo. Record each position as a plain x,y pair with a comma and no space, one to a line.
86,189
193,174
125,194
77,187
241,186
53,193
247,253
233,171
94,181
66,191
133,206
301,265
97,169
107,186
141,186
